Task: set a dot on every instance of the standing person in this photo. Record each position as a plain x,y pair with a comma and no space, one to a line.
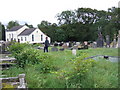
46,45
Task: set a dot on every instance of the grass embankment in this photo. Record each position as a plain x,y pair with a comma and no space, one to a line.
64,70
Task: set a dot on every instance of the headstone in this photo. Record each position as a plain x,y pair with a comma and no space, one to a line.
2,47
100,41
56,44
77,43
107,41
85,45
114,41
74,52
119,39
61,44
70,44
75,47
65,46
54,49
94,45
61,49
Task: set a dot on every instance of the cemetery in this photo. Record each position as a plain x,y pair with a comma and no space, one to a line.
81,51
64,66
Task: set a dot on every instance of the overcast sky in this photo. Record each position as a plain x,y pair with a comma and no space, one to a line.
34,11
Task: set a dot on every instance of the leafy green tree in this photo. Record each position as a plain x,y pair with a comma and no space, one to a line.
66,17
30,26
2,32
12,24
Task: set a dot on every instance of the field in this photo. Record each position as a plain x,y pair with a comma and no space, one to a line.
63,70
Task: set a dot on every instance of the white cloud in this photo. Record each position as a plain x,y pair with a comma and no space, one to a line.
34,11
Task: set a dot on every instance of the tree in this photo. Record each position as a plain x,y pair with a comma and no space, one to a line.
12,24
66,17
30,26
2,32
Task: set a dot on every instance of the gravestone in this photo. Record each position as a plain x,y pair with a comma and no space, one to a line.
75,47
2,47
61,44
100,41
119,39
77,43
61,49
94,45
74,52
114,41
85,45
107,41
54,49
65,46
70,44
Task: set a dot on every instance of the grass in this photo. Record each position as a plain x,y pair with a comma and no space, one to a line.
103,74
101,51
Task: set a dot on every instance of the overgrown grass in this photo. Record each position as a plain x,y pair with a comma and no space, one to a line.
103,75
68,71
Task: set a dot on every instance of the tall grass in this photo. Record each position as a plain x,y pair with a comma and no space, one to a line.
64,70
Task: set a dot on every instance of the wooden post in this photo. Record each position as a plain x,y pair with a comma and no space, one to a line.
22,81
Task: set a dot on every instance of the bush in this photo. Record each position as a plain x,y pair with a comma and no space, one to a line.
77,69
16,48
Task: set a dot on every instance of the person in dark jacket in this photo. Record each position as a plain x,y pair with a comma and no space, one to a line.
46,45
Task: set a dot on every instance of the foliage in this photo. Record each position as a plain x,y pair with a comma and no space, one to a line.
2,32
62,70
16,48
77,68
12,24
5,85
82,24
103,75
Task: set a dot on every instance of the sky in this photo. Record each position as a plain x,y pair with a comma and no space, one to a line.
34,11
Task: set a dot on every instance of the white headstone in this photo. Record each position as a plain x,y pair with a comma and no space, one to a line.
74,52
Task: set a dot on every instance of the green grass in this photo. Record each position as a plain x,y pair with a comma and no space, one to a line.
103,74
100,51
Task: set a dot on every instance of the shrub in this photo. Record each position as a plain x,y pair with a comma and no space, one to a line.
16,48
77,69
30,56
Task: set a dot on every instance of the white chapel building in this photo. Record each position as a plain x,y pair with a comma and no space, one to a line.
24,34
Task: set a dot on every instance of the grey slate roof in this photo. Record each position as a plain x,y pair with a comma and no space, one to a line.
27,31
15,28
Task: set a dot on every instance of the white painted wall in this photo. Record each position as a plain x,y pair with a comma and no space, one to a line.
15,34
37,37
